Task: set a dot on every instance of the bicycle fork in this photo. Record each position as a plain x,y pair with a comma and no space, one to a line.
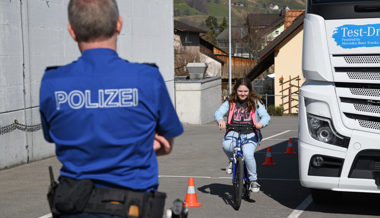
238,152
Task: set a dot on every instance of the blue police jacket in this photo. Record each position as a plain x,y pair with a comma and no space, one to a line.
103,112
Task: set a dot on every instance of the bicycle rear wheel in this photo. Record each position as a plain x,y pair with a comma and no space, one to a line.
237,186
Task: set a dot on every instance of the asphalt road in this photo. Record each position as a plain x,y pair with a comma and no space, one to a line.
198,154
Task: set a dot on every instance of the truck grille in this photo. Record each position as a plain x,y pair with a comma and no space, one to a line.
358,88
367,108
365,163
369,124
363,76
375,59
365,92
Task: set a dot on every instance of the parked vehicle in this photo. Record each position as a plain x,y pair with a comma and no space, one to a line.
339,114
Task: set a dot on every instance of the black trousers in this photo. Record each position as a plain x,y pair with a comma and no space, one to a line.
89,215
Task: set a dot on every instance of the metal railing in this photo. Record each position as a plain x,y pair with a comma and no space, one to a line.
286,106
269,99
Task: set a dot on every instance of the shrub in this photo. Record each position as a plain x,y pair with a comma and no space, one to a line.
275,111
279,111
271,109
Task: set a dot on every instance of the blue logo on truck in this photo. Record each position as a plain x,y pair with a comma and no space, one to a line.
355,36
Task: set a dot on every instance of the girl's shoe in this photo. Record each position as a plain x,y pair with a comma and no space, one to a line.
254,186
229,168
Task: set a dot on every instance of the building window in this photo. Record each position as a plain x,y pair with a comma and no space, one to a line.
187,39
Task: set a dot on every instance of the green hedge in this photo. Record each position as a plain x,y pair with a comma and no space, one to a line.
275,111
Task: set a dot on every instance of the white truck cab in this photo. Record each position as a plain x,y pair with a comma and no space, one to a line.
339,107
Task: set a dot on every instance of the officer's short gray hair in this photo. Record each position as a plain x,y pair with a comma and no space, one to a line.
92,20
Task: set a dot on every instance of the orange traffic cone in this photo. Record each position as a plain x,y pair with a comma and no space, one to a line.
268,158
191,197
289,149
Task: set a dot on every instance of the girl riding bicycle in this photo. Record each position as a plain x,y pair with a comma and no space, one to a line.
244,106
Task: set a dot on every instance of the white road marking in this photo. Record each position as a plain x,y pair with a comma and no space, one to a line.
260,148
46,216
262,151
173,176
268,179
300,208
278,139
276,135
224,177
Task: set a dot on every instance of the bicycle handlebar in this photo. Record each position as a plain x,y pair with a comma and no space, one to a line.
240,127
178,210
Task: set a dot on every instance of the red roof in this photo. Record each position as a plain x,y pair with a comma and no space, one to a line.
291,15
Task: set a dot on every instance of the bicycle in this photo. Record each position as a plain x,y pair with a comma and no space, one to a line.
178,210
240,180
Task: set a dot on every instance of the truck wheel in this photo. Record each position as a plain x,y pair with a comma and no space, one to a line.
325,196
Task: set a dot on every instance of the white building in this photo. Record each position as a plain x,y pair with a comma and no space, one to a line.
33,36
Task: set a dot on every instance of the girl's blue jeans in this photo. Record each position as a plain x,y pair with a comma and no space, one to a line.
249,144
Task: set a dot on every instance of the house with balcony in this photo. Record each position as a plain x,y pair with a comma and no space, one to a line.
189,47
284,53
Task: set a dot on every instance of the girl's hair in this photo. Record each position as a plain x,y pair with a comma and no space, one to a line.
253,98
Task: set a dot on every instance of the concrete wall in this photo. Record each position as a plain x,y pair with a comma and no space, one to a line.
288,63
197,100
33,36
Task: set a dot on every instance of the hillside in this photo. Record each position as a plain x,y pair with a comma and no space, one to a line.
195,12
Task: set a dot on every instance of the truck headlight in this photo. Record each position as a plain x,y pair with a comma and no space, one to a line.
321,129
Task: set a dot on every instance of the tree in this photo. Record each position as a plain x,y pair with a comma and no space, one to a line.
223,25
254,40
211,36
212,22
181,58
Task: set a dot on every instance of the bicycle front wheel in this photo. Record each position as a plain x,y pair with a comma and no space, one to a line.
238,183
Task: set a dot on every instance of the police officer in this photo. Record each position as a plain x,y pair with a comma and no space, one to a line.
109,119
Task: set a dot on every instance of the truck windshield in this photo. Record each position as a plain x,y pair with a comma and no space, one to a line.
344,9
340,1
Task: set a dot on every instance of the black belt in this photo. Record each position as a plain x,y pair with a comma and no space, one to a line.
126,203
72,196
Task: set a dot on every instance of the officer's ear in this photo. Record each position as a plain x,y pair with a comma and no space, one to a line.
119,25
72,33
